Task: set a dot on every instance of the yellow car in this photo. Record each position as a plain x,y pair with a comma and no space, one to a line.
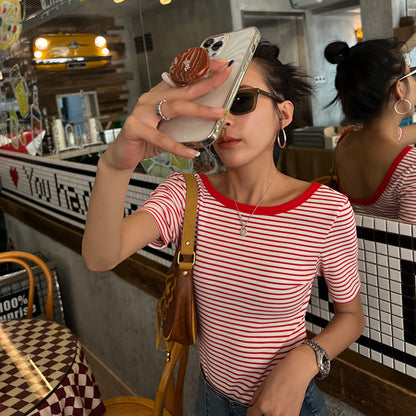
62,51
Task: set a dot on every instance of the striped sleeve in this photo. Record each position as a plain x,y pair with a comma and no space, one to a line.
166,204
339,257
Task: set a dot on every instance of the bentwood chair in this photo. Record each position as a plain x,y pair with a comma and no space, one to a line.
325,179
330,180
169,396
21,258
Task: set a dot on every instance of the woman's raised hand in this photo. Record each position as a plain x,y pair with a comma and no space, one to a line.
140,138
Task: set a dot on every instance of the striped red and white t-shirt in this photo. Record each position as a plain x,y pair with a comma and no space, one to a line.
396,195
252,292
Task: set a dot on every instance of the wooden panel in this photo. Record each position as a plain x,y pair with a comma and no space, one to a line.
84,82
370,387
305,163
72,24
110,107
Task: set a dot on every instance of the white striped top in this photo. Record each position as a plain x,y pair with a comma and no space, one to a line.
396,196
252,292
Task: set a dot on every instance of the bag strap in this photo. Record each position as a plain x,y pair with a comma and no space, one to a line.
186,255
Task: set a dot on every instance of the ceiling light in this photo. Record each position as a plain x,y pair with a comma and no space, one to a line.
164,2
118,1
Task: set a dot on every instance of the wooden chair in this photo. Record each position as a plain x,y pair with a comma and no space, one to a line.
331,181
20,258
324,179
169,396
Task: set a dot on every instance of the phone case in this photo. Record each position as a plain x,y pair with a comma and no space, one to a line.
240,46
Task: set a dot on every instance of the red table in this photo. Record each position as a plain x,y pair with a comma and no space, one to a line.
43,371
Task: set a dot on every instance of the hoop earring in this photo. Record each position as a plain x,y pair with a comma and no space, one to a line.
398,102
282,146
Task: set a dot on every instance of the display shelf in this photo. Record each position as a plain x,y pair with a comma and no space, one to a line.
76,152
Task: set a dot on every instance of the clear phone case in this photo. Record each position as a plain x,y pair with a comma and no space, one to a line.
239,46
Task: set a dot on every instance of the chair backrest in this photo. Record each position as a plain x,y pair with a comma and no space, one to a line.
331,181
170,391
324,179
20,258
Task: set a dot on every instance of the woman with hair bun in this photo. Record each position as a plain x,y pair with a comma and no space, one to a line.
376,164
261,239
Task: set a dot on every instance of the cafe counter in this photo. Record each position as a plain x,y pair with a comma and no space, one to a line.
51,197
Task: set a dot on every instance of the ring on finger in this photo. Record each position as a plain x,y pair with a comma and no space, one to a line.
159,110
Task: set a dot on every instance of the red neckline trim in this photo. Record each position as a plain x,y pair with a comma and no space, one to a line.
385,181
248,209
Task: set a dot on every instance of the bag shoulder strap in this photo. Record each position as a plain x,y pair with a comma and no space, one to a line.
189,221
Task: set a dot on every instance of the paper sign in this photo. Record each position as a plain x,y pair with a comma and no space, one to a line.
21,90
10,18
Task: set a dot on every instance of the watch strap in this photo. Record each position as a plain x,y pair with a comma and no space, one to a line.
322,358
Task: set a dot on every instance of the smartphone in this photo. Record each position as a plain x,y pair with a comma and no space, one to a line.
239,46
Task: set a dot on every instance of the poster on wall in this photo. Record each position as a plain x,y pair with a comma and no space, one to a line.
20,89
10,22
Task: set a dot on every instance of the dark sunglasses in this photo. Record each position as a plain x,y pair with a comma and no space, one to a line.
246,100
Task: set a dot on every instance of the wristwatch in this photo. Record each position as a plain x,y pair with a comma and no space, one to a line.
322,358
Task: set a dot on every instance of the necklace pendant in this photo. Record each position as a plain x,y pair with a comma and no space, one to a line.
243,231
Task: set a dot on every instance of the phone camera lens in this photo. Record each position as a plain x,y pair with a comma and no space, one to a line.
208,43
217,45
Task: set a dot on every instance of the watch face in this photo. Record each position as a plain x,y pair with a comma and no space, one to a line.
322,359
324,366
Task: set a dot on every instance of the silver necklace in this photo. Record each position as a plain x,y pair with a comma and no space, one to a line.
243,228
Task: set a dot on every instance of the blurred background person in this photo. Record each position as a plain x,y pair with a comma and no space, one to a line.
376,164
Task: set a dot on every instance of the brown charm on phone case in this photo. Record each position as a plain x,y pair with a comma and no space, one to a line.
189,66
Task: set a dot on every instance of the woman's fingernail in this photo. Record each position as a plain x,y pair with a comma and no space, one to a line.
166,77
226,65
220,112
192,152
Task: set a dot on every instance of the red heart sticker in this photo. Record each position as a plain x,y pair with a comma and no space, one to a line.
14,175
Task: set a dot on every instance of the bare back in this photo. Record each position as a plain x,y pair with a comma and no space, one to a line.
362,162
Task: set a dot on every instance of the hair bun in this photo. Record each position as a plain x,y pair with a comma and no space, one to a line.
335,52
272,50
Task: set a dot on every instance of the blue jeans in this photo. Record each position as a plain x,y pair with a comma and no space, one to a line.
211,402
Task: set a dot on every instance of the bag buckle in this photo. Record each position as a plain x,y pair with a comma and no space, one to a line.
185,262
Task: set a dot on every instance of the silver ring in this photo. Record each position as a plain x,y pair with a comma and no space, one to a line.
159,110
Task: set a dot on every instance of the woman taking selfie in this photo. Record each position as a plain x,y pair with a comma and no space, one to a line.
375,165
261,239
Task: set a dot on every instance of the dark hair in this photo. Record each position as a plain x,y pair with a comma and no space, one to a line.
286,81
365,75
